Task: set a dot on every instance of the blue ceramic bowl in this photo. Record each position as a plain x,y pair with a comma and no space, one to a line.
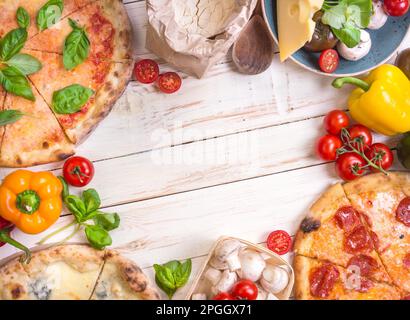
386,42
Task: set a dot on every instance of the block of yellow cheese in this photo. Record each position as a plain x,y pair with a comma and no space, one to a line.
295,23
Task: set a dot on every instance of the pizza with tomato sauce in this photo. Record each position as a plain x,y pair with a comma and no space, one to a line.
359,232
83,51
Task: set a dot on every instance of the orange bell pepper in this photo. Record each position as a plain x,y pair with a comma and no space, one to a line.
31,200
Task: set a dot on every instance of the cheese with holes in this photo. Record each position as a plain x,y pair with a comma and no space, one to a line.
295,23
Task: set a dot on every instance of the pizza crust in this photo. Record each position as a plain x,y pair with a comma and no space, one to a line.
302,267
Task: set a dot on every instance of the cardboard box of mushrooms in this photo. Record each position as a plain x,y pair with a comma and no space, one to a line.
232,260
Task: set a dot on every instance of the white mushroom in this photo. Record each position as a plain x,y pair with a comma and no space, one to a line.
379,17
226,255
262,294
274,279
220,265
213,275
199,296
271,297
225,284
252,265
358,52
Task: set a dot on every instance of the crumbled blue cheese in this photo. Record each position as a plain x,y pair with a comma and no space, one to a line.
40,289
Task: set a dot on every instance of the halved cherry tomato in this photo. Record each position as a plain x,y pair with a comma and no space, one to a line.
245,290
349,166
327,147
279,242
169,82
358,131
335,121
146,71
396,8
78,171
380,155
329,61
224,296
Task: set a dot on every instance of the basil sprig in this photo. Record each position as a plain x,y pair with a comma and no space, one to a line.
70,99
14,81
10,116
23,18
12,43
76,46
50,14
26,63
172,276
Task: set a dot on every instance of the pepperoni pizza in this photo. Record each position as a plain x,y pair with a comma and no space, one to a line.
355,242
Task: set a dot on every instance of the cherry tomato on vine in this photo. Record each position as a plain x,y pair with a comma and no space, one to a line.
380,155
335,121
349,166
146,71
224,296
396,8
329,61
327,146
245,290
279,242
359,130
78,171
169,82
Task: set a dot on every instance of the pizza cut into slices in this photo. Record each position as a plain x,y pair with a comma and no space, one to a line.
322,280
36,138
108,28
333,231
382,199
107,79
121,279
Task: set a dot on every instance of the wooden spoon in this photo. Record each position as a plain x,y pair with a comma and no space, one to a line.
254,50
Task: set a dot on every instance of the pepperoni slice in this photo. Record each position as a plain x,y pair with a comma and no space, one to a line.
358,240
375,240
406,261
406,298
347,218
366,264
322,280
364,286
403,212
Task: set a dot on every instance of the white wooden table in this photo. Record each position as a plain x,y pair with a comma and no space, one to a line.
227,155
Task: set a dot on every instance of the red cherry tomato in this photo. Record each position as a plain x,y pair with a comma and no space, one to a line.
335,121
329,61
381,155
146,71
245,290
358,131
78,171
349,166
327,147
279,242
224,296
169,82
396,8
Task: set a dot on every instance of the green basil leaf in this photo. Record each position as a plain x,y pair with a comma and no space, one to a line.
360,12
183,273
23,18
71,99
335,16
173,265
50,14
108,221
349,35
76,207
165,280
25,63
76,47
12,43
98,237
14,81
10,116
91,200
66,191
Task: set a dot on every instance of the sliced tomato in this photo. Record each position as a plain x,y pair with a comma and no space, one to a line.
169,82
279,242
329,61
146,71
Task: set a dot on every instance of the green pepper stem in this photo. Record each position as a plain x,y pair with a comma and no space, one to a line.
5,237
340,82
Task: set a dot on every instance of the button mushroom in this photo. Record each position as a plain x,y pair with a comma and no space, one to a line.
225,284
199,296
226,255
274,279
379,16
271,297
252,265
262,294
213,275
358,52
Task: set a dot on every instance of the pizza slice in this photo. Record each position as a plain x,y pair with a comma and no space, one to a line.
121,279
108,28
322,280
107,79
381,199
333,231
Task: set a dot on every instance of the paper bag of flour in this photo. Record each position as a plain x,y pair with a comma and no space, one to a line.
194,35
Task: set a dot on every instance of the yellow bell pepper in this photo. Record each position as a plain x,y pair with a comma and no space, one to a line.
382,100
31,201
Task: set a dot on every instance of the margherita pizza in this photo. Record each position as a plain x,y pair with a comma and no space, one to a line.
355,243
85,52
